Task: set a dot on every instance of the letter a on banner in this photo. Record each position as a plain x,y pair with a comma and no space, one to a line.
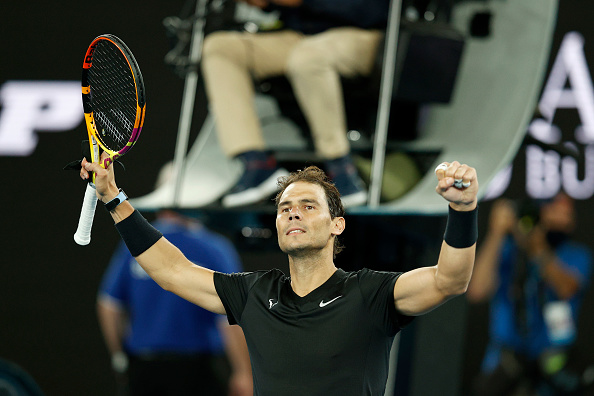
570,67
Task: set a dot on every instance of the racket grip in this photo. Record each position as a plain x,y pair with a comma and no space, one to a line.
82,236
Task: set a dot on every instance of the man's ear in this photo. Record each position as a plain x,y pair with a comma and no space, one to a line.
338,225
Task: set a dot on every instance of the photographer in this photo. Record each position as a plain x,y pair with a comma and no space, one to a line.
534,277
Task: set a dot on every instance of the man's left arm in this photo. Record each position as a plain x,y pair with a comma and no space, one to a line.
423,289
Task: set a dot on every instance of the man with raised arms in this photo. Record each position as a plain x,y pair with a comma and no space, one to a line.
320,330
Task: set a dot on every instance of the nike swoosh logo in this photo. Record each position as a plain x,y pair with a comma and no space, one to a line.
323,304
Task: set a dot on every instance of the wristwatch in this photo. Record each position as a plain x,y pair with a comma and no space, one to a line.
121,197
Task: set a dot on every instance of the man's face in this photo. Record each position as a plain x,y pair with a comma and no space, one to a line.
558,215
303,220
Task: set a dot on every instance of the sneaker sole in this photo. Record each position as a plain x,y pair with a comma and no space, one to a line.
255,194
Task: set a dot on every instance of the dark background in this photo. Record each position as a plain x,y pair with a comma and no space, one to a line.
48,283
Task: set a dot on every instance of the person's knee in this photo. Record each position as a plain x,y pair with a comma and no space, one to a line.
225,44
306,60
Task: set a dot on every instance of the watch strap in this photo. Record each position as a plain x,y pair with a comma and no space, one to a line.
121,197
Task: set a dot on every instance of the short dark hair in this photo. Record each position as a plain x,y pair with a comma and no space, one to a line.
314,175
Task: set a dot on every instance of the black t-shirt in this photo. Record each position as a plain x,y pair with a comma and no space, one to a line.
334,341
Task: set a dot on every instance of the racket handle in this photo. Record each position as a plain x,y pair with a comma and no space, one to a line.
82,236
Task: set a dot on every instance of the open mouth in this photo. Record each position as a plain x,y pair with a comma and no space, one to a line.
295,231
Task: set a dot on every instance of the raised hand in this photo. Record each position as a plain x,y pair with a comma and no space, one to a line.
104,178
458,184
503,218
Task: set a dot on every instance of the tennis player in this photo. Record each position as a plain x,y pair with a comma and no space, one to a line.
321,330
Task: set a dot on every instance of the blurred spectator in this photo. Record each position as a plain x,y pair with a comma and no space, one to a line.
534,276
161,344
320,41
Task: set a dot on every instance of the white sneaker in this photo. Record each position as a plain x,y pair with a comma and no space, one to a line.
356,199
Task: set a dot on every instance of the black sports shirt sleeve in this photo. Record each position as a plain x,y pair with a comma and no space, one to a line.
233,290
377,288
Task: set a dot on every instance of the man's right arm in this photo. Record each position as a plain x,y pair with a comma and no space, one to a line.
162,261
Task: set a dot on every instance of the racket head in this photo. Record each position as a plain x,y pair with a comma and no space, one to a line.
114,98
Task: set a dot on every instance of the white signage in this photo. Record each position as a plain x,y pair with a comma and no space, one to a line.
36,106
569,86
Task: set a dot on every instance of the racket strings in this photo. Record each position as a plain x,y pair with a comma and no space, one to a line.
113,94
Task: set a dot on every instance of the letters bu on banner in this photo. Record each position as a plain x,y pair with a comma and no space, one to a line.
30,106
569,86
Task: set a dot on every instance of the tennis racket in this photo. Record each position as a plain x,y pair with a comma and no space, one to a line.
114,103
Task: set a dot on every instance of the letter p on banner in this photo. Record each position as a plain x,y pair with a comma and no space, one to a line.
29,106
